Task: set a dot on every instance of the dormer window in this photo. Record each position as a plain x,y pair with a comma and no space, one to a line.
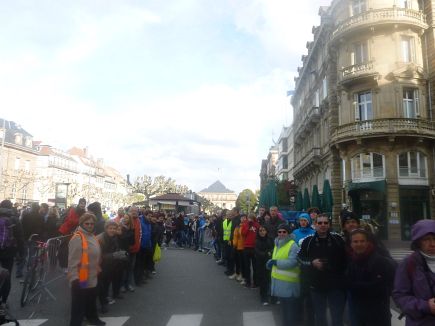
28,141
18,139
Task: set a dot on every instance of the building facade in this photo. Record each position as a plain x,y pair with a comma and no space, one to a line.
376,58
284,168
219,195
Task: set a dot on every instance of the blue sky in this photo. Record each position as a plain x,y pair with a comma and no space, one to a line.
190,89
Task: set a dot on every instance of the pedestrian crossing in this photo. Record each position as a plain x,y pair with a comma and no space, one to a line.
252,318
399,254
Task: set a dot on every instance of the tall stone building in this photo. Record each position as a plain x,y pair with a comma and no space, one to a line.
219,195
364,110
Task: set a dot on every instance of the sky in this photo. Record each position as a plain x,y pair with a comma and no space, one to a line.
194,90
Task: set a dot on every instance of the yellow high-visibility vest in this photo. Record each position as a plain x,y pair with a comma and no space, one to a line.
288,275
227,229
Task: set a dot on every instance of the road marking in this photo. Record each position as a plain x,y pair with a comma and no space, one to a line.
30,322
115,321
185,320
258,318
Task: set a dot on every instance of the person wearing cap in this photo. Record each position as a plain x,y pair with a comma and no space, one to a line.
323,263
84,257
414,285
369,278
285,283
304,230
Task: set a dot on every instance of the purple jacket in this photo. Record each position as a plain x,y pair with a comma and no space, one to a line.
414,285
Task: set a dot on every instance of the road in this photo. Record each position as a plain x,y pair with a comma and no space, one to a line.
189,289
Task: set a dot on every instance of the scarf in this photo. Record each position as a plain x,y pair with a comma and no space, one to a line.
84,261
430,261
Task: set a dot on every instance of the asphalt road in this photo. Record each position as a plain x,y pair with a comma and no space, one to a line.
189,289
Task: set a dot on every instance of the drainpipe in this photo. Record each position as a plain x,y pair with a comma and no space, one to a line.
429,88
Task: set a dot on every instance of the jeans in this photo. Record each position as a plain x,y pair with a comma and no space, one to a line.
129,271
335,300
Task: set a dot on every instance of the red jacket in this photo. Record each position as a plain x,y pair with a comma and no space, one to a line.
71,222
137,231
249,232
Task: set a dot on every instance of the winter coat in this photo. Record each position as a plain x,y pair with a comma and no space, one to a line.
332,250
75,250
108,246
369,279
249,230
32,223
263,252
414,285
17,234
145,238
71,221
301,233
135,247
283,289
238,241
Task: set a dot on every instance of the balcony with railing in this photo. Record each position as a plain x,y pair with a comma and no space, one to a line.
306,122
384,127
307,162
357,71
375,17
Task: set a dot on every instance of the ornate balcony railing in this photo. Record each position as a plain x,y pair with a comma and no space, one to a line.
381,16
312,157
305,121
390,126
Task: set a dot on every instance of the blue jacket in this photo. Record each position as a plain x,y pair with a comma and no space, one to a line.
145,237
302,233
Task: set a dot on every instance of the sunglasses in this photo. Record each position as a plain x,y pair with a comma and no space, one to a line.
282,232
323,223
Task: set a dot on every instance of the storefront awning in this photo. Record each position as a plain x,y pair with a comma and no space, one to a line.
379,186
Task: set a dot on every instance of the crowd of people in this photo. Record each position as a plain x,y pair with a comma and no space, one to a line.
305,267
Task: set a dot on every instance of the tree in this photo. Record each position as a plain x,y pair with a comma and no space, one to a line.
247,201
149,186
207,205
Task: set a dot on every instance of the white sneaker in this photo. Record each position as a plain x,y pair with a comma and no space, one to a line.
243,282
232,277
265,303
239,278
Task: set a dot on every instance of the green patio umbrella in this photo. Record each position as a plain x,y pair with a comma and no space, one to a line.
299,202
268,195
307,203
327,200
315,198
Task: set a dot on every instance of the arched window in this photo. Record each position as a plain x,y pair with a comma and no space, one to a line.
367,166
413,165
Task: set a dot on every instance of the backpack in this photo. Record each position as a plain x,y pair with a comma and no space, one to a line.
6,232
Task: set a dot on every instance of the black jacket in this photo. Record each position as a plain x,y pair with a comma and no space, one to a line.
17,232
332,250
263,252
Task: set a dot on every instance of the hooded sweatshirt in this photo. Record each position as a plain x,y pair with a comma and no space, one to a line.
303,232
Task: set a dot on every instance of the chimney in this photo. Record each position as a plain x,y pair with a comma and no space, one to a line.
85,151
128,179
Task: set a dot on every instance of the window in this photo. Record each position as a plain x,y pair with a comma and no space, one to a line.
325,88
17,163
358,6
368,166
363,106
412,164
360,53
407,48
404,4
316,99
411,103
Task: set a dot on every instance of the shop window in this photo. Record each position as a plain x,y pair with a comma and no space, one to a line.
368,166
413,165
360,53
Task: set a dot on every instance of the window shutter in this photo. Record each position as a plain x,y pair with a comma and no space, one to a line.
356,107
416,103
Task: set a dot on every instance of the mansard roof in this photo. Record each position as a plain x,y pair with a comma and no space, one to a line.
217,187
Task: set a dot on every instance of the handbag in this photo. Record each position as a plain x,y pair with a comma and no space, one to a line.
157,253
